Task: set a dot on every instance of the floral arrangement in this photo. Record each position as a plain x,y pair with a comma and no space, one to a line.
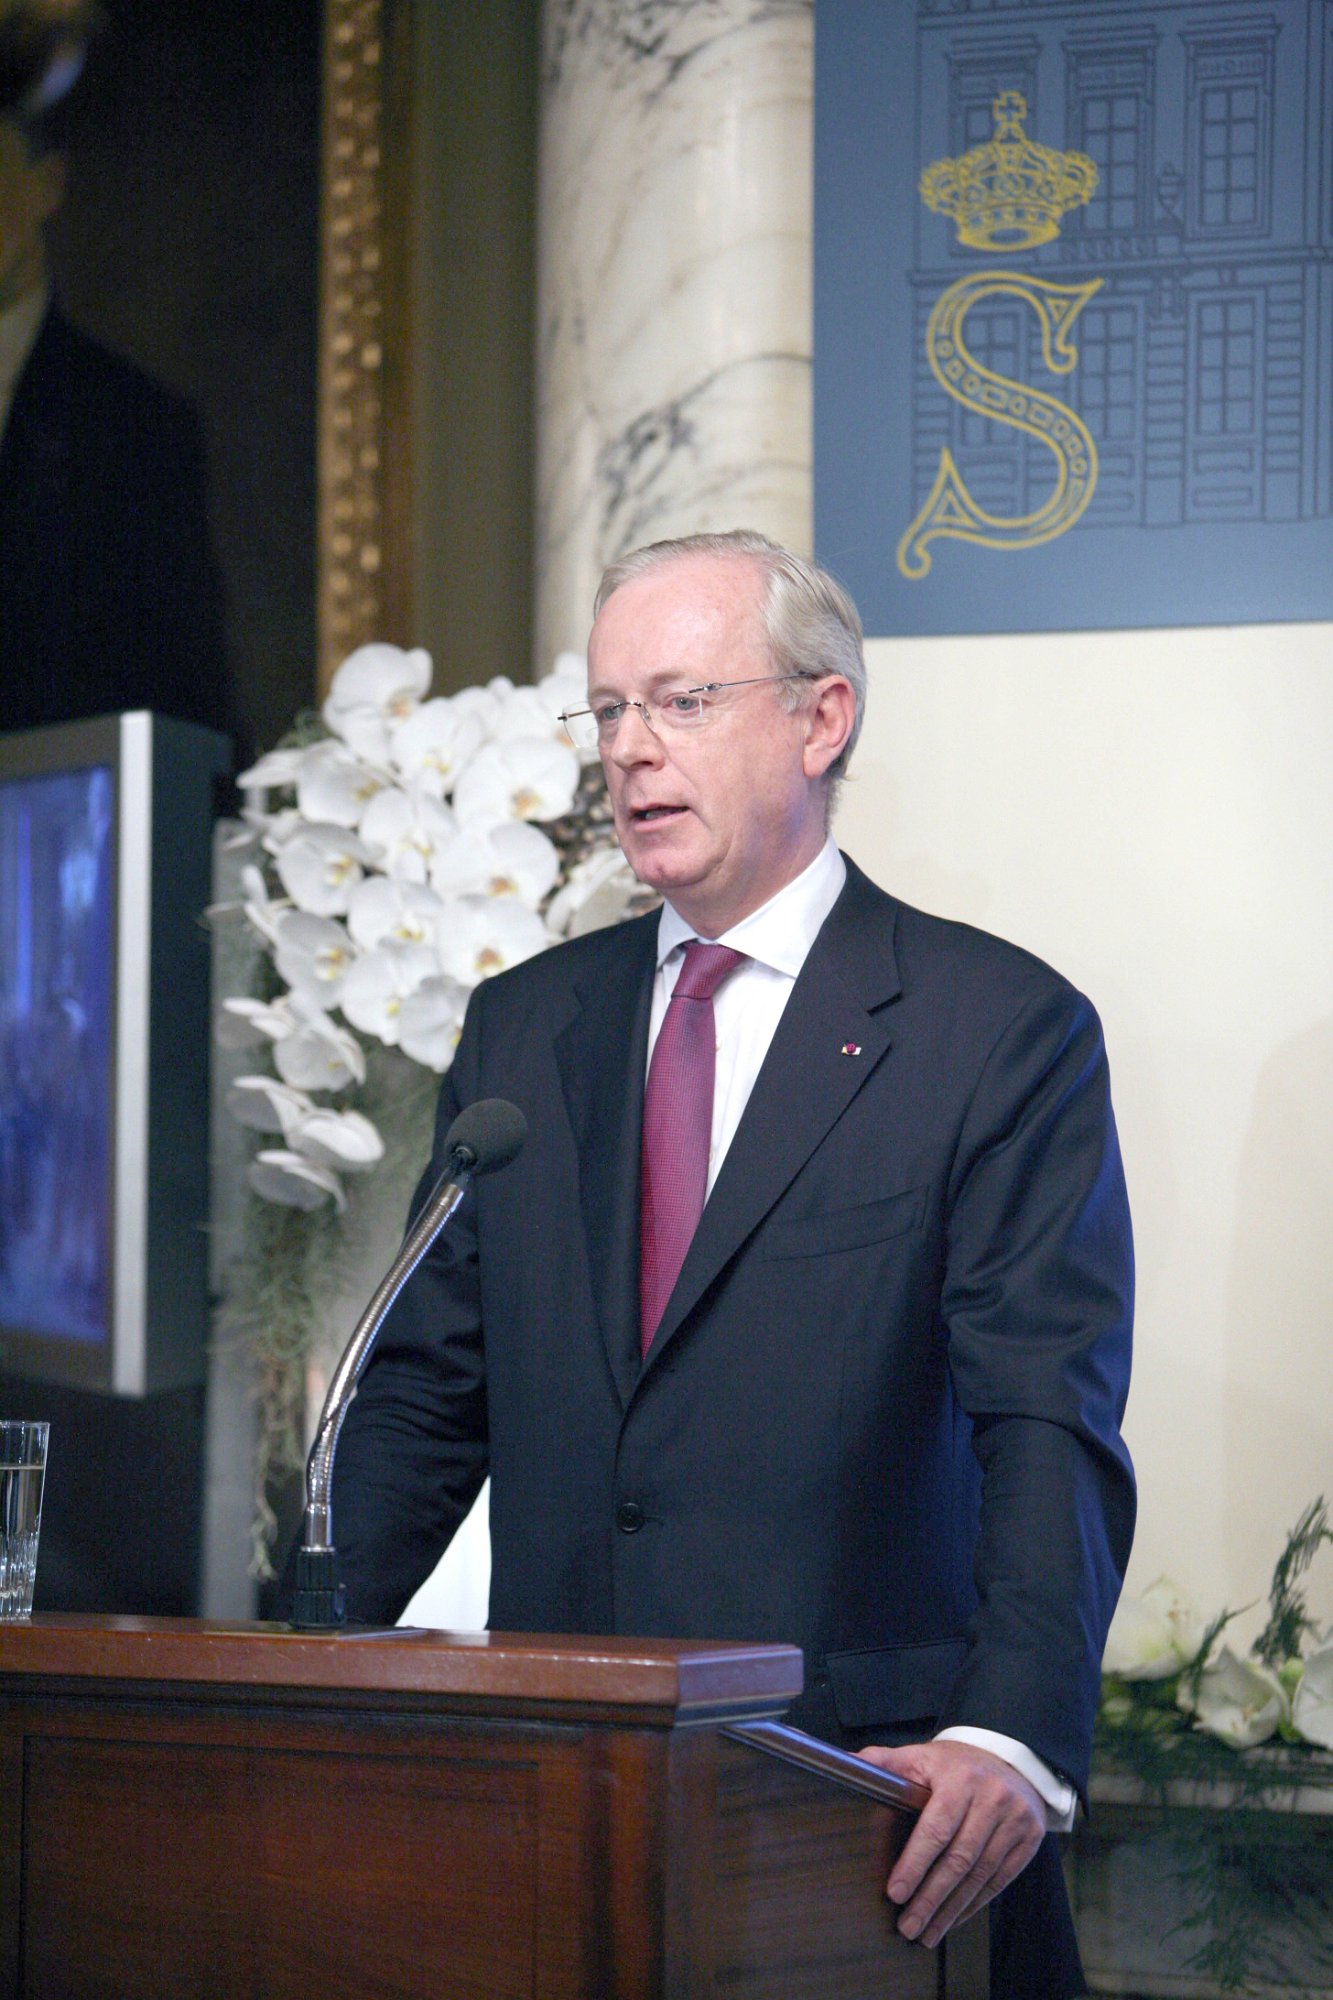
1178,1705
396,850
1164,1670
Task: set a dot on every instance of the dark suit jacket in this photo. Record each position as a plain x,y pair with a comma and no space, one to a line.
880,1417
109,595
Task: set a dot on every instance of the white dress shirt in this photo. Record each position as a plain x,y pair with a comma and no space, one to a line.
747,1007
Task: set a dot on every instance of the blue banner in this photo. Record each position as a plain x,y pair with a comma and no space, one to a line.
1074,312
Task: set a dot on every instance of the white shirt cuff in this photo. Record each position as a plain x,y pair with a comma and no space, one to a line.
1057,1795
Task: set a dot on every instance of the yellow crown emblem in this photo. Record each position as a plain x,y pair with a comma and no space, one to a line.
1010,193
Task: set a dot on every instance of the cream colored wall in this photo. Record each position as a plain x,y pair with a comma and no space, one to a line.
1153,812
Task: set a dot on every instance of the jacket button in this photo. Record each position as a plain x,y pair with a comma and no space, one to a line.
629,1517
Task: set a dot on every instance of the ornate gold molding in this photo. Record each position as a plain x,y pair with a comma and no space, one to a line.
363,440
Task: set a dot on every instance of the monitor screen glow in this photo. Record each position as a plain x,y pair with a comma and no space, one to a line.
57,933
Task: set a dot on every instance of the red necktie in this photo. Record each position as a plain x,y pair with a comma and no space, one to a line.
678,1127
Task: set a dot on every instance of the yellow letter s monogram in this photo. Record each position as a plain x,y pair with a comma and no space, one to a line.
950,509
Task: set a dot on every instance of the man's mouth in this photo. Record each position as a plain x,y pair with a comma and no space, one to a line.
647,815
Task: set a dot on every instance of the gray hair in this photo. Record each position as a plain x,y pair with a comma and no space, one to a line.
811,626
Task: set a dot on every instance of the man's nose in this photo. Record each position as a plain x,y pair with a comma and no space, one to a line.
635,740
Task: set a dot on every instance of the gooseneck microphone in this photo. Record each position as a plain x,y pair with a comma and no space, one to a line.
481,1140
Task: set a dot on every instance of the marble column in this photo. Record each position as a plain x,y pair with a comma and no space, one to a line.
674,283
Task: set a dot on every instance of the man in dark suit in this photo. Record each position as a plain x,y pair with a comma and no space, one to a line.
875,1409
109,594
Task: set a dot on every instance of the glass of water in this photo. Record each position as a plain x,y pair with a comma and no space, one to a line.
22,1466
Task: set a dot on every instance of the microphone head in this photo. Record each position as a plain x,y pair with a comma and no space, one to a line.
486,1136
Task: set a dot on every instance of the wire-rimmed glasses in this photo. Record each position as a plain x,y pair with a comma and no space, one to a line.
670,709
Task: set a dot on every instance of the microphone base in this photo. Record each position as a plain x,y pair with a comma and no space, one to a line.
320,1600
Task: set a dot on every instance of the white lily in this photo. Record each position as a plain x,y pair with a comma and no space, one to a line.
406,829
598,892
512,859
382,907
343,1139
431,746
266,1105
529,777
282,1176
336,786
317,1053
314,956
320,865
1153,1636
430,1021
1312,1708
1239,1701
482,935
379,982
376,687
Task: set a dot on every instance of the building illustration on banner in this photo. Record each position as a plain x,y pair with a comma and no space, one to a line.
1108,298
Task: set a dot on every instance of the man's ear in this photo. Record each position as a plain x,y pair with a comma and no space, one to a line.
829,720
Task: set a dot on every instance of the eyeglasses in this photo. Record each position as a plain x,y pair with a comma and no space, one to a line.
675,709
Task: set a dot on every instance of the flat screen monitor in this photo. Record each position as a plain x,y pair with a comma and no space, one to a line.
105,871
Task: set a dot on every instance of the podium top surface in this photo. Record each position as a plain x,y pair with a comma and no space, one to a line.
683,1677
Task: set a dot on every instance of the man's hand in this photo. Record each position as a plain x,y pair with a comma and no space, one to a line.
983,1825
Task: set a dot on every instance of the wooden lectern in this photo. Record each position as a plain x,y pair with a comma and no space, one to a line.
249,1813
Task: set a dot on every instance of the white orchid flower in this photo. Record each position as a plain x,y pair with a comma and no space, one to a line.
564,688
598,892
381,907
266,1105
406,829
526,711
481,935
1312,1708
529,777
335,787
430,1021
484,702
432,745
275,770
275,829
245,1024
1153,1636
317,1053
567,679
320,865
376,687
314,956
379,982
285,1177
260,908
343,1139
1239,1701
512,859
241,836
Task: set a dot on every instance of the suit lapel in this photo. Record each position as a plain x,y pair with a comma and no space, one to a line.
601,1056
804,1086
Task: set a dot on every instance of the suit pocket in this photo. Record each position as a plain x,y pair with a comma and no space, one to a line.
893,1684
847,1228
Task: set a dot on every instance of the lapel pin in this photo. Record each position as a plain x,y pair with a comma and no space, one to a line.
851,1049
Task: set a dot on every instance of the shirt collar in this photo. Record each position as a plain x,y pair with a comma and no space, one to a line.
781,931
